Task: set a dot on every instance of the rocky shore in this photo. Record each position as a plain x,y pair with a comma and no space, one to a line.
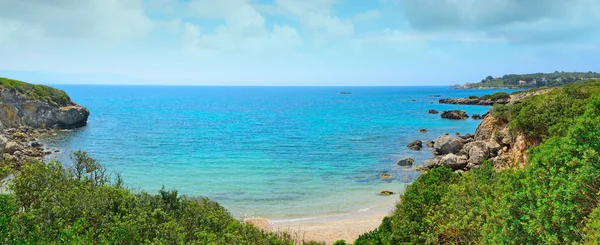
478,101
29,112
492,140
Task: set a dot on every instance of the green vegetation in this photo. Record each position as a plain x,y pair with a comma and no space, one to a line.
536,79
36,92
55,204
552,200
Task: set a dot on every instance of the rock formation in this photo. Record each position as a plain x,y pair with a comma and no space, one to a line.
29,111
415,145
406,162
455,114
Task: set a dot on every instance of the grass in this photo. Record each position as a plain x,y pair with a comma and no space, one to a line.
36,92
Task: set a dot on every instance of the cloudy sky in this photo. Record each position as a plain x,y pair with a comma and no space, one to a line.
294,42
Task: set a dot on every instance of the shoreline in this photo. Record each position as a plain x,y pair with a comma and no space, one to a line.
329,228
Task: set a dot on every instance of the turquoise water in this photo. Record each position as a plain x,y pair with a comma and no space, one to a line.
277,152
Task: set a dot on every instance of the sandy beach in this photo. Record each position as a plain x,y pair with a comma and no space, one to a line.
331,228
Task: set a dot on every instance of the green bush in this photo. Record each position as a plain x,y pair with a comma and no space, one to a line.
552,200
37,92
496,96
77,205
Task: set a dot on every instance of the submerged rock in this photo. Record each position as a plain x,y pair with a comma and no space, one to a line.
433,111
455,114
415,145
423,130
386,193
385,176
406,162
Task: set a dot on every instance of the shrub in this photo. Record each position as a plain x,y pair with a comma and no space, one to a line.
78,205
36,92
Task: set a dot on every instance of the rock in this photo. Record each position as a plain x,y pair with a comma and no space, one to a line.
12,147
385,176
430,143
433,111
455,114
386,193
415,145
446,144
19,135
406,162
457,133
423,130
3,142
476,117
454,162
36,144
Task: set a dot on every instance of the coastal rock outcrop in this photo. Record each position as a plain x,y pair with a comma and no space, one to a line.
455,114
476,117
473,101
29,111
18,110
415,145
492,141
433,111
430,143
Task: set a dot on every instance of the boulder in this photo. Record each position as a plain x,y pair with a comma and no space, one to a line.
433,111
455,114
415,145
12,147
406,162
446,145
430,143
454,162
423,130
476,117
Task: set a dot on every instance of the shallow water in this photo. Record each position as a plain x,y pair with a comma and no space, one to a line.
276,152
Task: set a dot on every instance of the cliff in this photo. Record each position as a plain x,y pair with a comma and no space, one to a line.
38,106
28,111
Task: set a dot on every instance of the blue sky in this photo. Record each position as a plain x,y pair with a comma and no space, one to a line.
294,42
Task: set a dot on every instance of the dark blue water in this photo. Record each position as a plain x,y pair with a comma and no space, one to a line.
269,151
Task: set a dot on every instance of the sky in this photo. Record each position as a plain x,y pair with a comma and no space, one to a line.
294,42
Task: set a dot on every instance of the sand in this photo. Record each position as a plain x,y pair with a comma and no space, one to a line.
327,229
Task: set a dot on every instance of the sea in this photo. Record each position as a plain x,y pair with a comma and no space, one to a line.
275,152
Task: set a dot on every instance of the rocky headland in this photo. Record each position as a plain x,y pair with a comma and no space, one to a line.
492,141
29,112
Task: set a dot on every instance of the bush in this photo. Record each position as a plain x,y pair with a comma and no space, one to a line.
37,92
552,200
496,96
77,205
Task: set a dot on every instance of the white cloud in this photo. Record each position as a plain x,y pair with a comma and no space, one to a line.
243,29
367,15
316,16
90,19
516,20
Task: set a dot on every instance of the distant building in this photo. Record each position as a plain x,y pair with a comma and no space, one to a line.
522,82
